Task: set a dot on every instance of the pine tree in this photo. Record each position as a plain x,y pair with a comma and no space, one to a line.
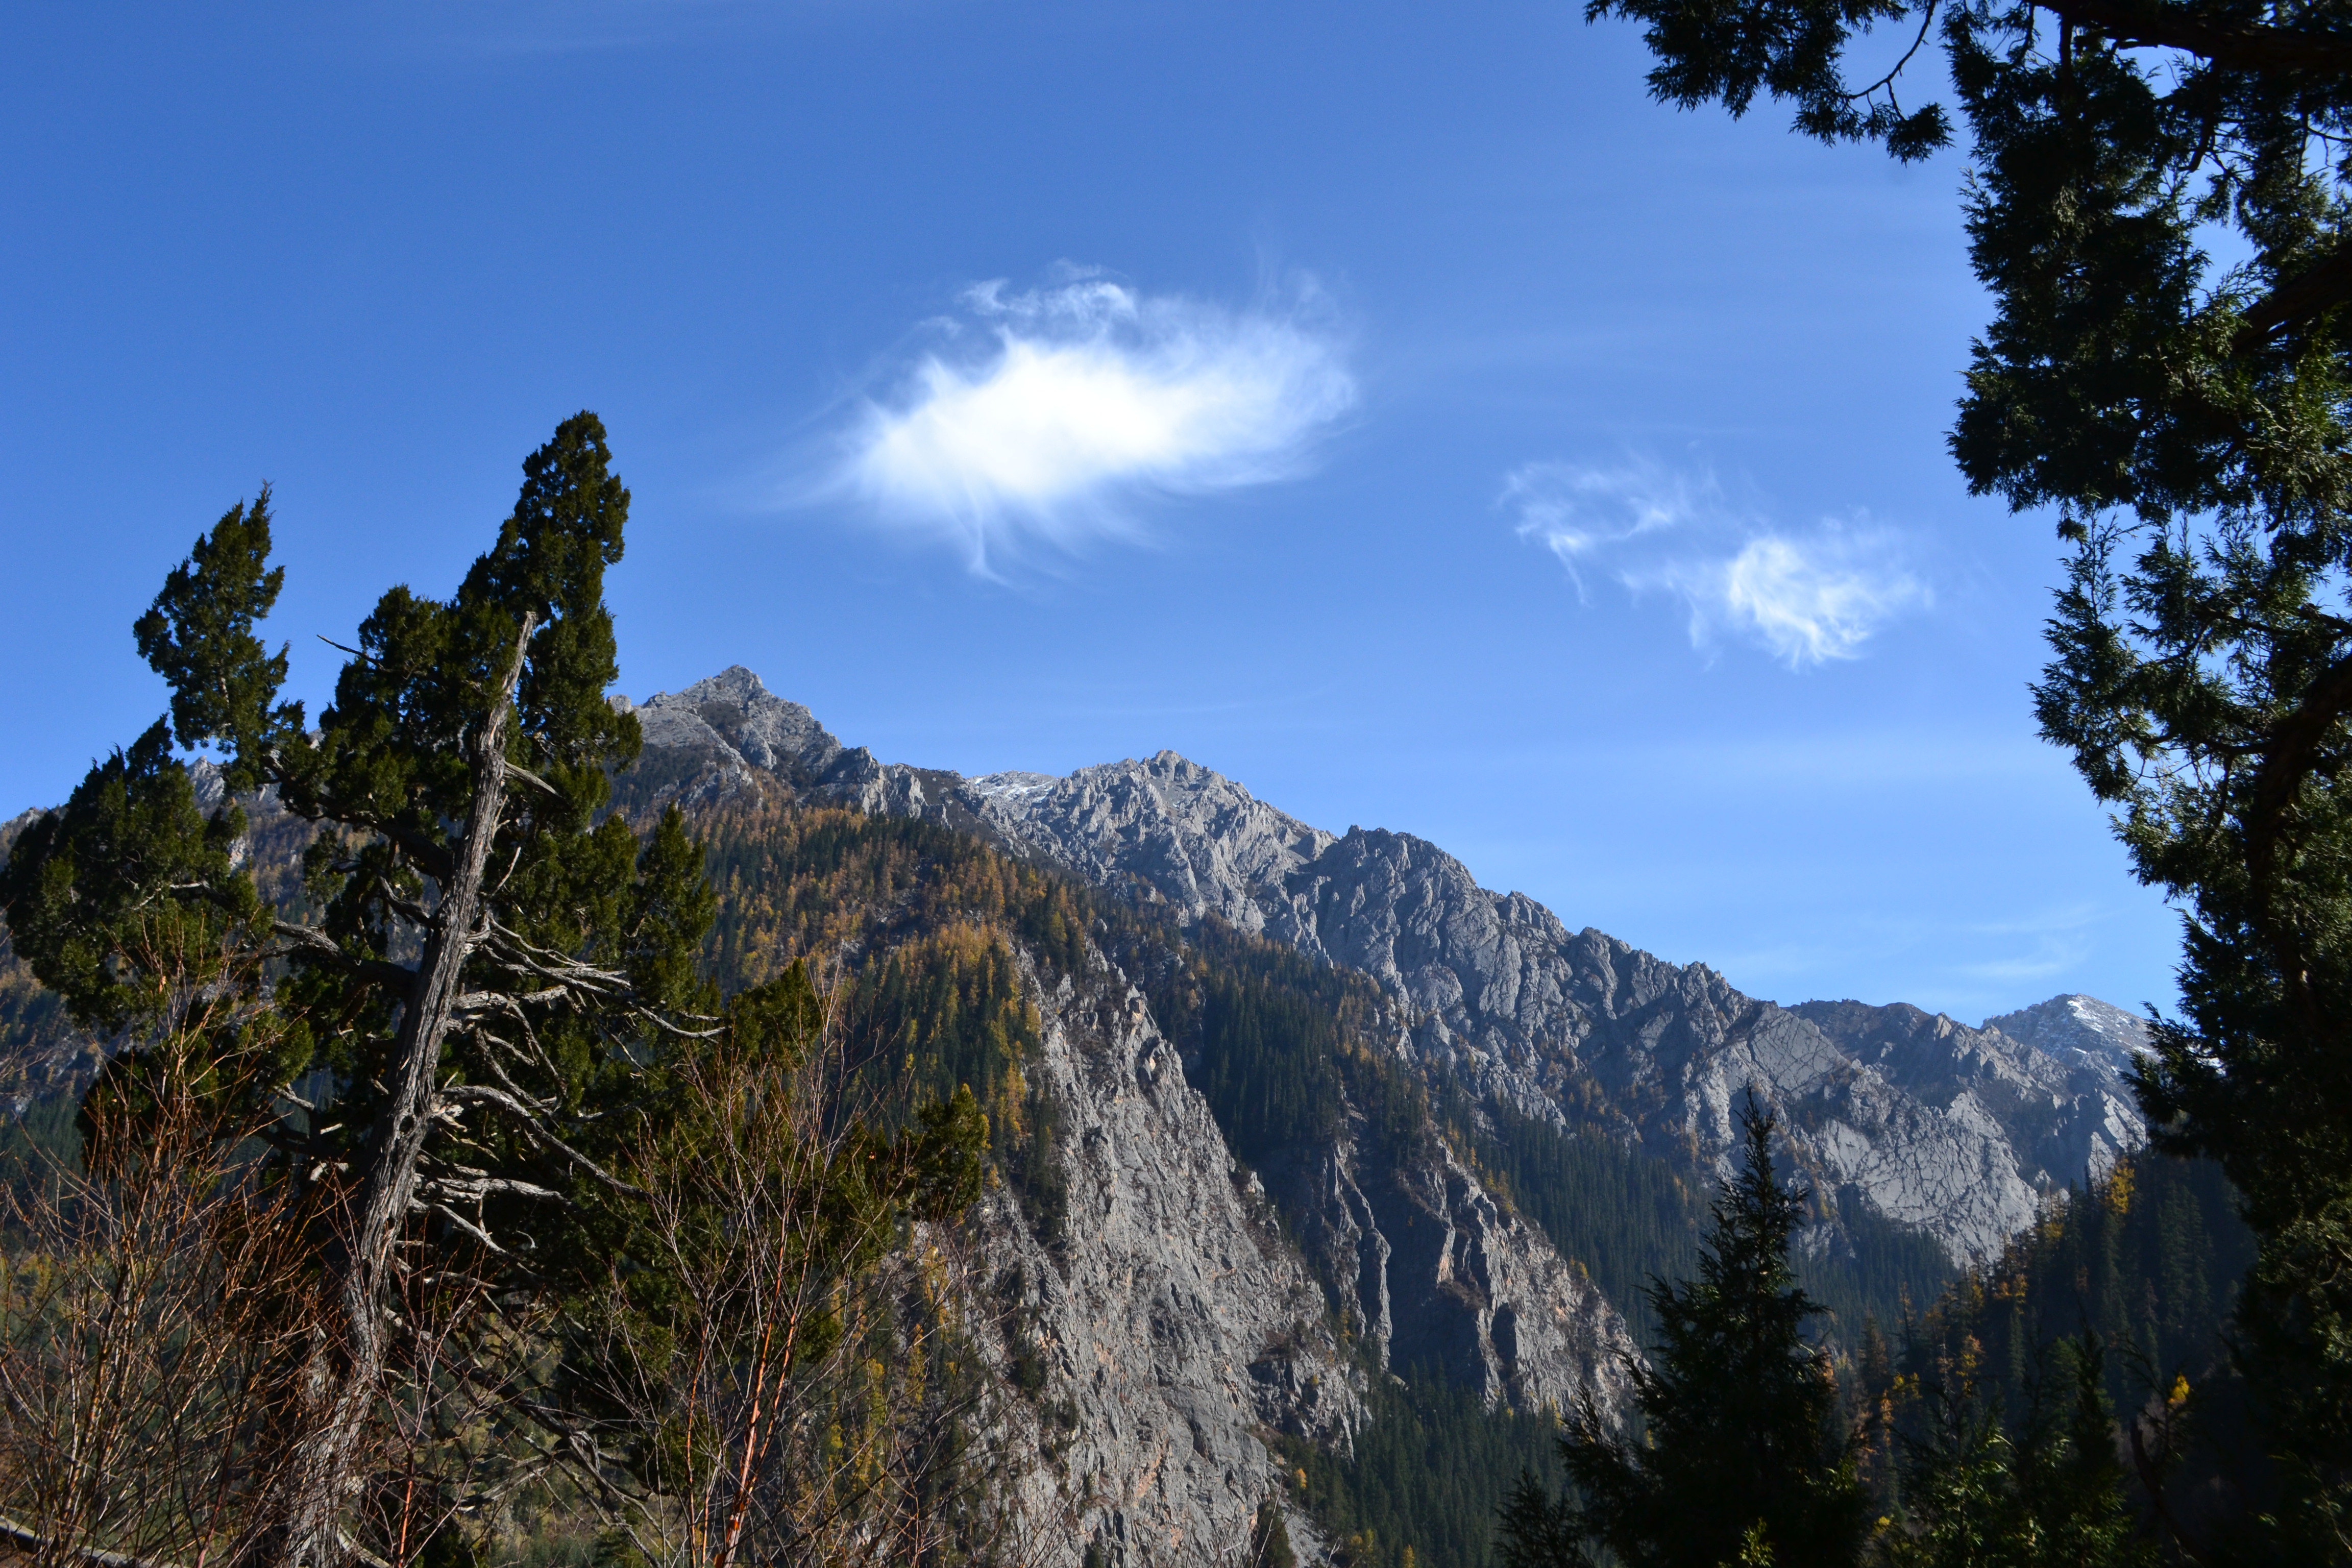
1741,1455
2051,1493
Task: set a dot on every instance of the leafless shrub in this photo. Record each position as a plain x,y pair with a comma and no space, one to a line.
154,1293
784,1366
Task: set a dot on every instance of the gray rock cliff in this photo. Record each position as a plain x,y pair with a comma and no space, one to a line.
1958,1132
1175,1326
1427,1266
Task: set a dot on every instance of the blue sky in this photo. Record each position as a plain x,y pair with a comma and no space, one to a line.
1386,405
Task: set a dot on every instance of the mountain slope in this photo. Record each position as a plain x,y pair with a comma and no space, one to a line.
1958,1132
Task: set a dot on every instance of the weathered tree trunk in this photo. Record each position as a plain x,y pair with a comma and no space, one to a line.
340,1382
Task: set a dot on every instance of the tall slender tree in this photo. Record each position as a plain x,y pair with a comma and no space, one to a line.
482,967
1741,1455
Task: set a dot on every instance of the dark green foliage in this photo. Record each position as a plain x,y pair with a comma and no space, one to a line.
1890,1271
1270,1062
943,1010
2147,1261
1431,1466
115,897
198,635
2049,1490
1742,1450
2145,1265
1286,1044
1787,48
2191,423
1537,1530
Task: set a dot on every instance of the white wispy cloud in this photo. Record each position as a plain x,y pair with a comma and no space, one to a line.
1804,595
1040,414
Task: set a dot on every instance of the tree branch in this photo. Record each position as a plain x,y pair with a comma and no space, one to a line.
533,1128
315,943
2295,301
2234,48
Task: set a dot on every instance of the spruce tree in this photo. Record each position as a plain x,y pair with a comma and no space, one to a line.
1741,1455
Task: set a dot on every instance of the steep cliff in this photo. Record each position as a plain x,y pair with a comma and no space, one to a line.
1956,1132
1167,1332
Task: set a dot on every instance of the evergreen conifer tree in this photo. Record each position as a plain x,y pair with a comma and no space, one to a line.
2159,203
1741,1455
489,972
2050,1495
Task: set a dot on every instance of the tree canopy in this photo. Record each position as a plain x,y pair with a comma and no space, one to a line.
2157,200
467,1035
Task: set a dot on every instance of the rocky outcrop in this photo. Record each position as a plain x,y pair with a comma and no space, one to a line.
1435,1276
2061,1112
729,736
1173,1326
1168,828
1958,1131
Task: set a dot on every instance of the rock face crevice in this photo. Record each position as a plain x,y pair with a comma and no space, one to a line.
1435,1277
1177,1330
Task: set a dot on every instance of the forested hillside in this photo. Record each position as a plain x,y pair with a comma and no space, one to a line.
2145,1264
933,946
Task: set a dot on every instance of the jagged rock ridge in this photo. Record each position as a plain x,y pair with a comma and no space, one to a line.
1958,1131
1426,1266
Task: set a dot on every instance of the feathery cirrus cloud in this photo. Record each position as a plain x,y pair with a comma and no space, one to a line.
1042,415
1804,595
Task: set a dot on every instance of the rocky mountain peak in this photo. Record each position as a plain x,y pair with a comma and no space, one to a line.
1955,1130
2079,1029
734,723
